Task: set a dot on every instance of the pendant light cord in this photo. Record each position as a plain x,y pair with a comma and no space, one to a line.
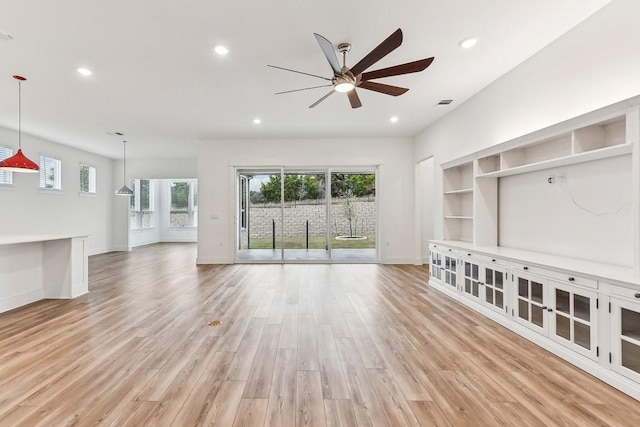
124,162
19,115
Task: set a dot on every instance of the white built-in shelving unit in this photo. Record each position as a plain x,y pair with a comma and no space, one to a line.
582,308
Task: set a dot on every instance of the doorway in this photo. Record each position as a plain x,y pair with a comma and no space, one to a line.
306,215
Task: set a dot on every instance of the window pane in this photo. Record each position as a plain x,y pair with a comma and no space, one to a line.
145,195
180,196
50,173
6,177
87,179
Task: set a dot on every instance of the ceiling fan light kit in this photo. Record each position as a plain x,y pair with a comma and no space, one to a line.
346,80
19,162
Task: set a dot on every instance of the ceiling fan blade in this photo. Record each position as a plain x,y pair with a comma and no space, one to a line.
299,72
382,88
298,90
321,99
354,99
408,68
383,49
329,53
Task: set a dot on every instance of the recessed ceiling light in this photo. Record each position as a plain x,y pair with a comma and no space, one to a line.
221,50
468,43
257,121
85,72
5,36
394,119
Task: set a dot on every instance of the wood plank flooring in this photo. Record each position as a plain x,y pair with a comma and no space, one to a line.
298,345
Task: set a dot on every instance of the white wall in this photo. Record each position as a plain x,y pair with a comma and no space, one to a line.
424,207
395,193
586,214
27,210
594,65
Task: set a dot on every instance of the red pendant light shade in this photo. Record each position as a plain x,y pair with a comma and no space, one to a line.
19,162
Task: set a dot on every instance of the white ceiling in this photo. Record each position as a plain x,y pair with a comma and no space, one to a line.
157,80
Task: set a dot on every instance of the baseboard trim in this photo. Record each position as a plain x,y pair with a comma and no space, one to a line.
16,301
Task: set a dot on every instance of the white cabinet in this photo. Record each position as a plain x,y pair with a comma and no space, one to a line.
496,288
444,266
565,313
573,319
625,333
531,305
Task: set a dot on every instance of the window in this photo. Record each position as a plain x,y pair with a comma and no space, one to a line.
87,179
184,204
50,173
141,208
6,177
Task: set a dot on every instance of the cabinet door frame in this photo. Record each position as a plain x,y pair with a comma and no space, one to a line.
573,290
448,272
479,283
615,317
435,268
489,288
517,299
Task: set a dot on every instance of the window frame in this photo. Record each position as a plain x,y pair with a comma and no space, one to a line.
136,213
6,177
57,174
92,180
192,204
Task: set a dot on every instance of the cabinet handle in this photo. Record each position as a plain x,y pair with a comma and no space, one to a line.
525,267
637,295
493,260
544,307
449,250
468,254
549,309
571,279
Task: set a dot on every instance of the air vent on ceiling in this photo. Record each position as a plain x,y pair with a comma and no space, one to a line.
115,133
445,102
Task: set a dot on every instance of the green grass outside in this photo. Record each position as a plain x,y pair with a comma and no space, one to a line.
315,242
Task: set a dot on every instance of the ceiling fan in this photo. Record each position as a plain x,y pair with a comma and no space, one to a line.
346,79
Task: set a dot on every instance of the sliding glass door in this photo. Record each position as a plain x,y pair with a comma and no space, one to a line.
306,215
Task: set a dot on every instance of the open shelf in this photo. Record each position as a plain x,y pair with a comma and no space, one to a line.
601,153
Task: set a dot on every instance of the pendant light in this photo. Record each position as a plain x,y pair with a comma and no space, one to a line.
19,162
124,190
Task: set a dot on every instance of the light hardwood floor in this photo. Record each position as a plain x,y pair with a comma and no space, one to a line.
303,345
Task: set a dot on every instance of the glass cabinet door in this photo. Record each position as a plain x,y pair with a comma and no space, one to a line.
450,274
494,289
626,338
472,281
573,321
531,307
436,265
